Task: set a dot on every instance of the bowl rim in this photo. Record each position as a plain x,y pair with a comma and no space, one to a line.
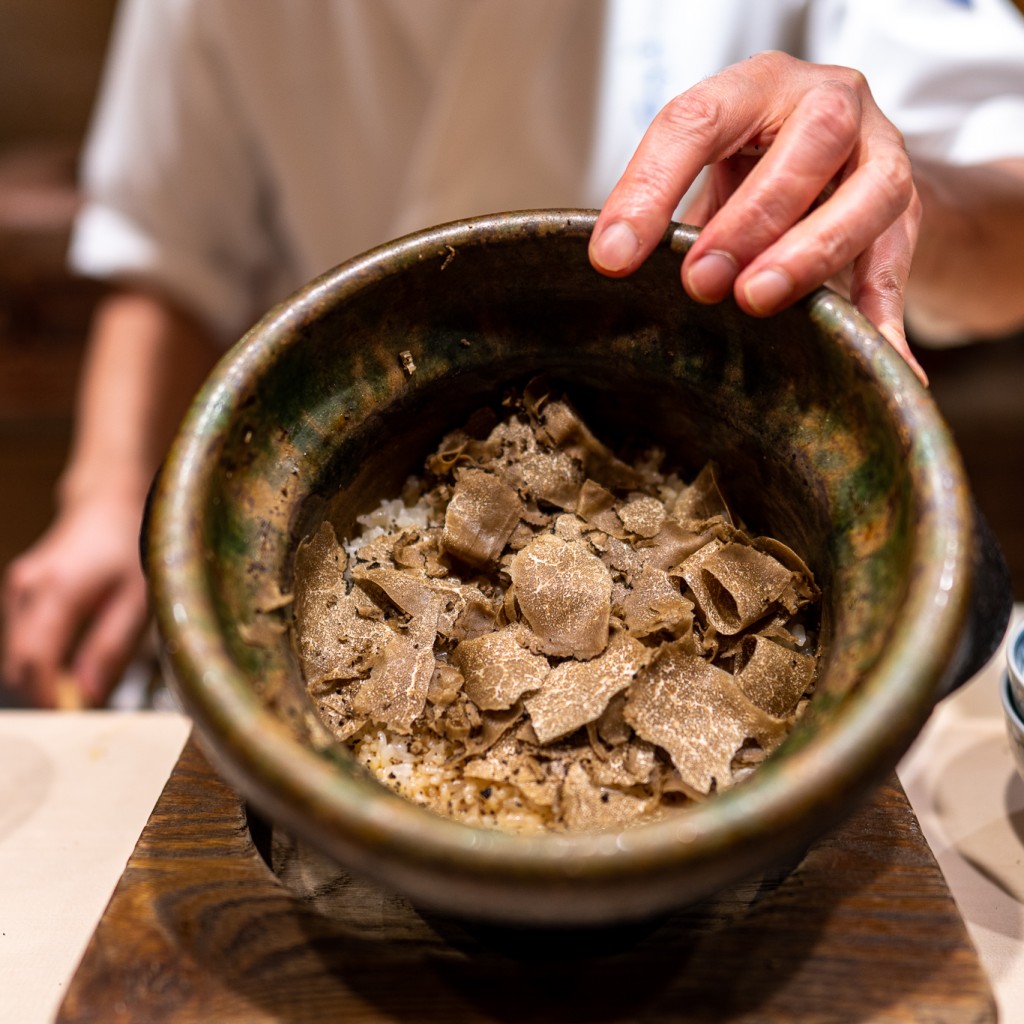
286,775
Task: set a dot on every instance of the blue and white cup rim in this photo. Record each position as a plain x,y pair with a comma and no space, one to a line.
1012,711
1015,662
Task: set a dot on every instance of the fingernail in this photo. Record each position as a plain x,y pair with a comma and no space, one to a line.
767,290
616,247
710,278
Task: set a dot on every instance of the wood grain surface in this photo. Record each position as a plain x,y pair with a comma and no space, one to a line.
199,928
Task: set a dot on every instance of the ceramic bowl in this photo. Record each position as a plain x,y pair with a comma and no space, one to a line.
824,439
1014,722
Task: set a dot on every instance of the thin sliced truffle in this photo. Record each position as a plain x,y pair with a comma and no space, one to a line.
549,476
577,692
643,516
590,807
702,499
396,692
415,595
774,677
539,473
564,592
445,684
480,518
611,728
567,528
596,504
420,553
336,710
334,640
630,765
564,429
802,589
698,714
674,543
737,585
654,605
459,720
498,670
477,617
619,556
493,726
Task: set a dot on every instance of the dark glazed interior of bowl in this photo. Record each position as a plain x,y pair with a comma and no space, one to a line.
823,439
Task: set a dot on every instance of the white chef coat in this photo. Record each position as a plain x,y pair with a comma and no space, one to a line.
241,147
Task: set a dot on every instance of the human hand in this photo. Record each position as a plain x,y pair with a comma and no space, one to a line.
75,603
808,182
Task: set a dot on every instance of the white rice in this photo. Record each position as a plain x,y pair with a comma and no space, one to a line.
390,515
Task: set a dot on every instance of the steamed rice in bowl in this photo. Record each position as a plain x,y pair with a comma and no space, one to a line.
540,635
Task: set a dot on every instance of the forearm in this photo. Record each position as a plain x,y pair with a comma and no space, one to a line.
968,269
144,361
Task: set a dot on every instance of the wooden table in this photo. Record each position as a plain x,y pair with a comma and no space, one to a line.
200,929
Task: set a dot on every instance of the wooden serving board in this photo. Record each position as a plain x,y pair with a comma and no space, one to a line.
200,929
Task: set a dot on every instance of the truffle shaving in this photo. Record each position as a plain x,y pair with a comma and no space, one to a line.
480,518
396,692
698,714
335,640
654,605
577,692
590,807
736,585
702,500
498,670
643,516
564,593
774,677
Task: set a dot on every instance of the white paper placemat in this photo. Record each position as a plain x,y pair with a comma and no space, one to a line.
76,790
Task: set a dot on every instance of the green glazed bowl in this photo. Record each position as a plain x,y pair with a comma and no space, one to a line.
824,439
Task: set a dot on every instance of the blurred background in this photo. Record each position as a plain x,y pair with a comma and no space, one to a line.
51,55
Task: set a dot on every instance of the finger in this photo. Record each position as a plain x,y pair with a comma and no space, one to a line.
43,613
704,204
817,248
879,281
720,181
699,127
812,147
880,274
37,641
896,336
67,695
104,652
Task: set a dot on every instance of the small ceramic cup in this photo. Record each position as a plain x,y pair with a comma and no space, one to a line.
1014,724
1015,663
1012,693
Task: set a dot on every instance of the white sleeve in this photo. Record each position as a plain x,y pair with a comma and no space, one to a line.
948,73
172,190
